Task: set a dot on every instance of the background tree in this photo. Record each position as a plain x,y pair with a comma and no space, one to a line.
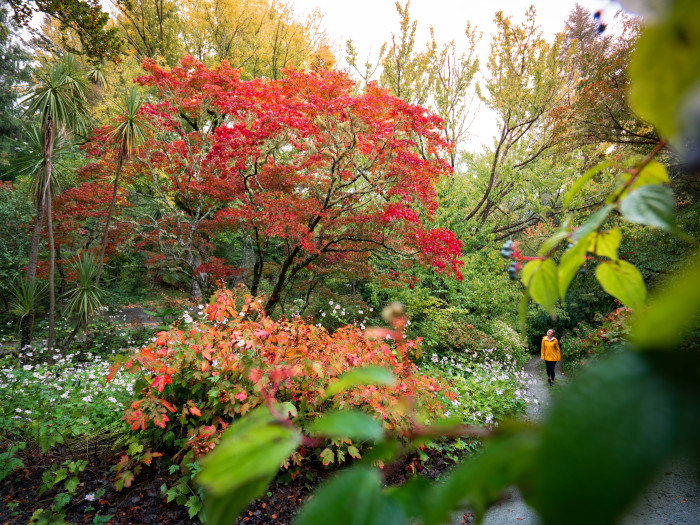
85,17
58,99
522,86
128,133
150,28
14,72
595,110
311,171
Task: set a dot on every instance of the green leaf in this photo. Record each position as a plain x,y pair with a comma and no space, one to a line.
71,484
60,475
604,439
593,223
650,205
194,504
382,451
674,310
327,456
528,271
413,497
606,243
351,424
570,262
623,281
243,464
659,86
652,173
354,497
223,509
542,284
583,179
368,375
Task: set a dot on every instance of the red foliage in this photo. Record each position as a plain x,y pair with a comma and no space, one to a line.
302,159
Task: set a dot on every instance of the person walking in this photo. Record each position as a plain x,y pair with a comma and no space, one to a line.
550,354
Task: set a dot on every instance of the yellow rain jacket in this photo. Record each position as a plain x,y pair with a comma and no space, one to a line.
551,350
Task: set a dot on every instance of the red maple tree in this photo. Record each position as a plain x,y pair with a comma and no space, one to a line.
307,168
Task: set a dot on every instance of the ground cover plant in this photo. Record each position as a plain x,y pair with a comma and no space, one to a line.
487,389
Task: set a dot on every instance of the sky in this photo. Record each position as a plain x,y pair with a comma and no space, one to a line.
369,23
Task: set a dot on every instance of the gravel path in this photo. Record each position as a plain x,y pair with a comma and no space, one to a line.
512,509
672,499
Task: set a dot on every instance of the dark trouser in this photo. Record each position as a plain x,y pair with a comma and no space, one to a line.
550,369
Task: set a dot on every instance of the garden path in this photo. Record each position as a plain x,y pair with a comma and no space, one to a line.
672,498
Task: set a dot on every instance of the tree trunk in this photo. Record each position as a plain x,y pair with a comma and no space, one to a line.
62,274
36,238
281,278
52,291
27,328
43,197
105,234
197,284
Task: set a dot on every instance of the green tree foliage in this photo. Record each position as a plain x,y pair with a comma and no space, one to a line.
523,84
260,37
85,17
15,214
14,70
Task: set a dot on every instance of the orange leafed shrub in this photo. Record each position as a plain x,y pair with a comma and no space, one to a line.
198,377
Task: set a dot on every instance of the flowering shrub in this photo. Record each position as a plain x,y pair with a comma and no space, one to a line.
53,397
335,315
488,385
197,378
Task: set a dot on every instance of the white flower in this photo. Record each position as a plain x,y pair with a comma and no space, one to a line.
111,399
241,343
330,303
87,398
323,314
65,395
90,497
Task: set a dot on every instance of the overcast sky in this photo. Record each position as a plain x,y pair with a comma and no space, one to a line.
369,23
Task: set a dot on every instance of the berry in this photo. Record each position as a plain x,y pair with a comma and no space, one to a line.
513,271
507,250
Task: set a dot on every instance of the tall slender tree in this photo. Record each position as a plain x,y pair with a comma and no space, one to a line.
58,98
128,133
